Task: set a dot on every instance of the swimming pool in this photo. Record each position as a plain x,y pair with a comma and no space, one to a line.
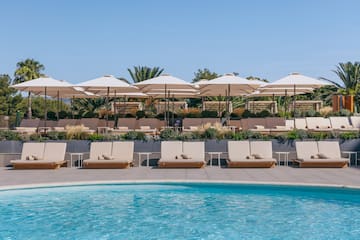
180,211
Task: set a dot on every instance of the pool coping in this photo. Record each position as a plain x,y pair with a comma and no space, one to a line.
90,183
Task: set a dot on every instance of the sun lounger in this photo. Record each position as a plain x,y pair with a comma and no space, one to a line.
247,154
50,155
318,124
355,121
300,123
110,155
176,154
342,124
320,154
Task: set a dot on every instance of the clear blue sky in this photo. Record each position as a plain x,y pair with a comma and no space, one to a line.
81,40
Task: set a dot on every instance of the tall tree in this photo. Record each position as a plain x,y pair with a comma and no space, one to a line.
349,75
8,97
204,74
142,73
26,70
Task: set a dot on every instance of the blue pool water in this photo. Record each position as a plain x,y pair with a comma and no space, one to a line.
180,211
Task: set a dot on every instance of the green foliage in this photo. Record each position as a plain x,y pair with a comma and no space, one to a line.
204,74
88,107
9,100
320,135
264,113
296,134
53,135
133,135
349,135
9,135
140,114
96,137
209,114
210,133
142,73
246,114
345,112
27,70
310,113
169,134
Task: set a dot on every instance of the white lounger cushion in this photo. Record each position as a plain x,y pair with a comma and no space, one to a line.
30,148
54,151
304,150
171,149
195,150
238,150
261,148
123,151
100,148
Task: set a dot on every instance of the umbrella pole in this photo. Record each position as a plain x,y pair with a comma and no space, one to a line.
285,105
294,102
166,123
45,110
29,106
173,109
273,99
72,107
228,112
219,107
58,105
107,107
202,104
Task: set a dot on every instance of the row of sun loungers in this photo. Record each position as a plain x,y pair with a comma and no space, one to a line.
178,154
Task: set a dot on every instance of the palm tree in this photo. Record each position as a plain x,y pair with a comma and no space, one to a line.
28,70
88,107
142,73
349,74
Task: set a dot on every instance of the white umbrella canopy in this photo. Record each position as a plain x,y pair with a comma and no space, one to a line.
162,83
229,85
103,84
297,80
49,87
278,92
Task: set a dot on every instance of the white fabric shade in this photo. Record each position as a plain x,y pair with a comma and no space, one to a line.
108,82
162,83
228,84
297,80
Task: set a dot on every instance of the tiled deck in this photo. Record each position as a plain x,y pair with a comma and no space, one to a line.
349,177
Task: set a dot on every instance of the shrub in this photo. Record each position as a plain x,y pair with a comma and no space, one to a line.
247,114
63,114
129,115
349,135
345,112
96,137
190,113
296,134
326,111
133,135
209,114
140,114
77,132
51,115
9,135
56,135
263,114
320,135
168,134
310,113
237,112
210,133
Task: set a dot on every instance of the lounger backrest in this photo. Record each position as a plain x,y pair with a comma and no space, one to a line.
289,123
340,122
31,148
123,150
253,122
313,122
131,123
49,123
212,121
171,149
272,122
300,123
54,151
330,149
304,150
30,123
67,122
196,150
187,122
355,121
91,123
238,149
153,123
99,148
235,123
262,148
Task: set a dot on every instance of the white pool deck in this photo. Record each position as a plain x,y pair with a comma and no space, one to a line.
282,175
